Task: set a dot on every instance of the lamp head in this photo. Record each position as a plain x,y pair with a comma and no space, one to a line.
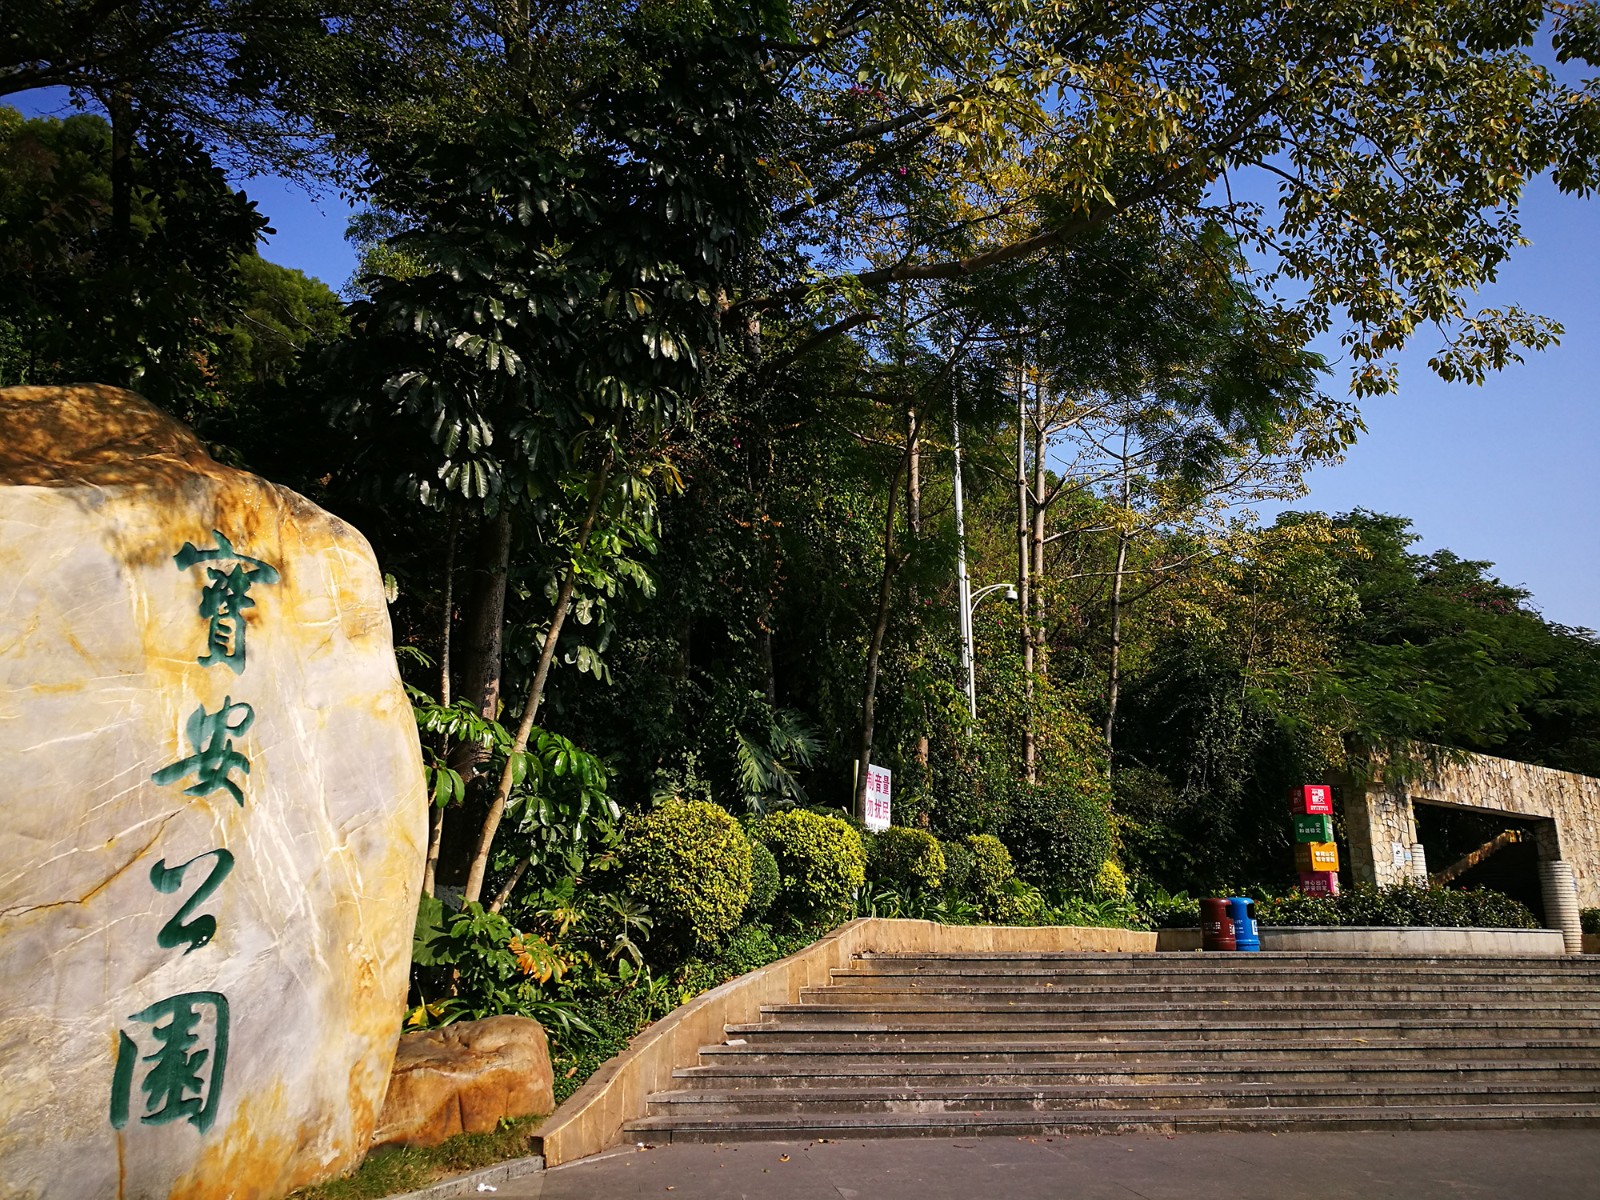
1011,592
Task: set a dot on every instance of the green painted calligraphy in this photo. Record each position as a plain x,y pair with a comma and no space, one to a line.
184,1081
214,758
204,927
225,598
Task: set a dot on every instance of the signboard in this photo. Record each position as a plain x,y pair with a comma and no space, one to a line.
1311,799
1319,883
878,792
1316,856
1313,829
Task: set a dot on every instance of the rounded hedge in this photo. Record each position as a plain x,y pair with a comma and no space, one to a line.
907,859
1060,835
991,867
957,867
689,861
763,882
821,864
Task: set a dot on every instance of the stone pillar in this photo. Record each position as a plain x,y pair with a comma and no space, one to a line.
1561,903
1419,864
1376,819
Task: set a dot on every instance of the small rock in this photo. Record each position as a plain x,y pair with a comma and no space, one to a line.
465,1078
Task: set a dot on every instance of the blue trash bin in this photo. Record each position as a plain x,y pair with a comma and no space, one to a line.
1246,933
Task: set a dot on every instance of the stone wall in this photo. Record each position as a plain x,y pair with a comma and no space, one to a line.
1381,816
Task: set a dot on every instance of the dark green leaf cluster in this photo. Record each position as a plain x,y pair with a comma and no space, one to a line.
143,301
763,881
910,860
1404,905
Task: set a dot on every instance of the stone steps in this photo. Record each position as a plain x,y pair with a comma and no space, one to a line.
1146,1050
1030,1044
973,1097
846,1071
776,1126
1329,1009
1347,992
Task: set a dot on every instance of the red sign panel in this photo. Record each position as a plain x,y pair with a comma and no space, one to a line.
1311,799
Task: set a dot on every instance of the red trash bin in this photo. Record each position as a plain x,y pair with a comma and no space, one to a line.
1216,926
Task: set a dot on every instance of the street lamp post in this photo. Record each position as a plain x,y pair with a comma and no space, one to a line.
1010,590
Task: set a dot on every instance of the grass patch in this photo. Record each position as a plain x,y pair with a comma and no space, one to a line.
393,1169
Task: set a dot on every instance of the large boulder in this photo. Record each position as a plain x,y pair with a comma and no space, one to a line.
214,814
465,1078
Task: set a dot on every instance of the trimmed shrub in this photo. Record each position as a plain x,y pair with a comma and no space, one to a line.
991,874
763,882
991,867
1060,835
909,860
1589,920
957,867
1402,905
821,864
690,862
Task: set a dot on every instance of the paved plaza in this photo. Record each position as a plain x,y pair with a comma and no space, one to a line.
1487,1164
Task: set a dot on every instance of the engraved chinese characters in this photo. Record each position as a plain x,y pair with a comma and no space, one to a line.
184,1075
214,811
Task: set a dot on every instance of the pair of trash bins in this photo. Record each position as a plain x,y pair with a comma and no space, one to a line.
1229,924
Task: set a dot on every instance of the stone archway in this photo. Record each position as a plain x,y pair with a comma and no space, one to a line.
1560,808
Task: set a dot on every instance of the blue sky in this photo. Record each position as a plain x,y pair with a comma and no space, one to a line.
1506,472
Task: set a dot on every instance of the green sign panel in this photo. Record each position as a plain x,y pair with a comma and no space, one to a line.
1313,829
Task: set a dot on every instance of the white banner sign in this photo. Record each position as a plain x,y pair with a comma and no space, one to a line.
878,791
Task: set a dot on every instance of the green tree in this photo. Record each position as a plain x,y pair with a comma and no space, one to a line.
149,313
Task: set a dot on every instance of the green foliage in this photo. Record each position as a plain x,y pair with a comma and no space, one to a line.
909,860
991,873
1160,909
1404,904
560,793
691,863
958,860
470,963
1060,835
821,865
144,306
763,881
1589,920
767,766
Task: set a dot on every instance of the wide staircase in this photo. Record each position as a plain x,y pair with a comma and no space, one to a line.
966,1044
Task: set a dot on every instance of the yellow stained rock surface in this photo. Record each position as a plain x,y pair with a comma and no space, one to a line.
215,816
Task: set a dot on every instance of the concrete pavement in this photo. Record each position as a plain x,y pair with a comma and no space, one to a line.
1481,1165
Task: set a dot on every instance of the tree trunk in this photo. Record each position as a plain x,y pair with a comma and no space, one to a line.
430,867
1024,559
119,107
869,689
480,668
914,520
914,472
1040,642
1115,678
497,808
1124,536
486,621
